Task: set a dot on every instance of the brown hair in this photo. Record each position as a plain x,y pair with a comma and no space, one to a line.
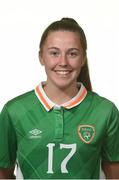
69,24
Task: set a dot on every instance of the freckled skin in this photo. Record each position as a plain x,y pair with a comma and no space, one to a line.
62,56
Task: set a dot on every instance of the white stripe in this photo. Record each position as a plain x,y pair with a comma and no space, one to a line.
19,174
76,97
65,105
41,100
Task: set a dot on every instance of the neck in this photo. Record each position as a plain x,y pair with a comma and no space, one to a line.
60,96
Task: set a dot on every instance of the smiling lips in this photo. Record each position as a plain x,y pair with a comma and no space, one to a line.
63,72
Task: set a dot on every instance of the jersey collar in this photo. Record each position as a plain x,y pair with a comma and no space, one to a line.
48,104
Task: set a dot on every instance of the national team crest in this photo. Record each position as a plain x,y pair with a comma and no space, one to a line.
86,133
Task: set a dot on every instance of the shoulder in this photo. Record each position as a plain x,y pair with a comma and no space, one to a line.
101,102
16,109
21,102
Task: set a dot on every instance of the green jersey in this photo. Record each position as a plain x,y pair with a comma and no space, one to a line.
59,142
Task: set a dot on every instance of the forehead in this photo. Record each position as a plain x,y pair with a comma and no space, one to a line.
63,38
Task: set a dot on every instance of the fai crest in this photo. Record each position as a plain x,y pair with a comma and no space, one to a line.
86,133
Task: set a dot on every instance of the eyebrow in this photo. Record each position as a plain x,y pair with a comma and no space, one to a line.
53,48
70,49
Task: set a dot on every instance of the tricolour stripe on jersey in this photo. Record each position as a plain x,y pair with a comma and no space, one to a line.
42,99
48,104
78,100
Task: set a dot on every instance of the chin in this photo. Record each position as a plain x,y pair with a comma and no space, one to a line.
64,85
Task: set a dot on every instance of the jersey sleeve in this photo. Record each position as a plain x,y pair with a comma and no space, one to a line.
8,144
110,150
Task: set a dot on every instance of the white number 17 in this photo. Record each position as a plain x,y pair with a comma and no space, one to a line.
66,159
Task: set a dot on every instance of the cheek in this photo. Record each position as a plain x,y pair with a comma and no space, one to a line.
76,64
49,63
81,63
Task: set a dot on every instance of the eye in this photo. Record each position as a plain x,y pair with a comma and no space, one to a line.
54,53
73,54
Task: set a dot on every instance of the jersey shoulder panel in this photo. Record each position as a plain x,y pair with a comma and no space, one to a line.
102,102
22,100
21,104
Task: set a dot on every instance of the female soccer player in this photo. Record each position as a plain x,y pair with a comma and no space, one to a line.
61,130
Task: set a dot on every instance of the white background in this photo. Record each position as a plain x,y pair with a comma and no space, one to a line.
21,25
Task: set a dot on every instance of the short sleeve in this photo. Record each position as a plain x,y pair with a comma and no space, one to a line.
110,150
8,144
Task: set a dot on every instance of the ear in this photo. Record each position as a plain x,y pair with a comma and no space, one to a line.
40,58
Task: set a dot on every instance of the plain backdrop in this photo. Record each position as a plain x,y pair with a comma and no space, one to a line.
22,23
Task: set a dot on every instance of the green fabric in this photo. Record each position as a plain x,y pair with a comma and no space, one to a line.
28,133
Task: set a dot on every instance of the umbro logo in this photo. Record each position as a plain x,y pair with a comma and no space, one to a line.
35,133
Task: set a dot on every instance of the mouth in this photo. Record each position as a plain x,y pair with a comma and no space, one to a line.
63,72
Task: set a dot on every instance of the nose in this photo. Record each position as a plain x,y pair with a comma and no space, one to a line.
63,60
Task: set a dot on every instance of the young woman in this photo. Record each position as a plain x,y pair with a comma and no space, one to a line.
61,130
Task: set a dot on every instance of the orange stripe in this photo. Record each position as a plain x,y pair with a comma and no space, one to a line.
42,98
78,99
